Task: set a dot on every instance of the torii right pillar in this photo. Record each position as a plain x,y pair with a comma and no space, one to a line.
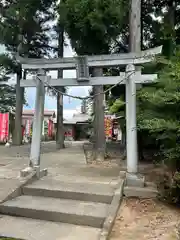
132,176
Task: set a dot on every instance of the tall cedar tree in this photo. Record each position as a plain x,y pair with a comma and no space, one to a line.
7,92
60,34
26,19
93,26
154,32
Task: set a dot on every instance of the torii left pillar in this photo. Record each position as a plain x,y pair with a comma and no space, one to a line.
35,152
37,122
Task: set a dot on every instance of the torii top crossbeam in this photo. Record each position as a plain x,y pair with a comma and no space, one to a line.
92,61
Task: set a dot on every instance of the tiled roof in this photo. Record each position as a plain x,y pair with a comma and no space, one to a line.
77,118
31,112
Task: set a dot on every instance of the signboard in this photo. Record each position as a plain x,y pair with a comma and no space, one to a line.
4,127
28,127
68,133
46,123
108,126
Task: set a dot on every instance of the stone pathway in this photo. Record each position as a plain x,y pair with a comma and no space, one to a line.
68,163
70,178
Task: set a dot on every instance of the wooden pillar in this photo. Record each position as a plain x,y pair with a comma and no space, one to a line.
99,134
17,133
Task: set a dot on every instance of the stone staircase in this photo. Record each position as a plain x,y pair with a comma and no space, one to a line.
52,209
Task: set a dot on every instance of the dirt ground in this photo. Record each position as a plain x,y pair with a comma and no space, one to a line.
146,219
139,219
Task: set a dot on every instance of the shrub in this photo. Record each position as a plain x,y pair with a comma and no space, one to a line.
169,188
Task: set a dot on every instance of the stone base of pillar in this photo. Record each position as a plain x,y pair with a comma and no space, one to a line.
99,156
29,170
134,180
141,192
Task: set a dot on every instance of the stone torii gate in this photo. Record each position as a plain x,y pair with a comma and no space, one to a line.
82,64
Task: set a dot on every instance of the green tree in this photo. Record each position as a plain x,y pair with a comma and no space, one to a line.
93,27
59,29
7,92
160,26
25,19
160,111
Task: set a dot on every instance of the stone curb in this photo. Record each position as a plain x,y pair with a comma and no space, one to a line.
112,213
5,237
18,190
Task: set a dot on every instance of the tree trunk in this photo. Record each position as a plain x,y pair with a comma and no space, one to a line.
124,154
17,134
135,26
140,146
60,126
169,44
99,134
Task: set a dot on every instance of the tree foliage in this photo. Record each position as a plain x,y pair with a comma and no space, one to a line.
93,25
160,111
24,29
7,92
160,26
27,19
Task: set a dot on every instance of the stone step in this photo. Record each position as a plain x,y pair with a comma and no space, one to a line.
102,193
57,210
32,229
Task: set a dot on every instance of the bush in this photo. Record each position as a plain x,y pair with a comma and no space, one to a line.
169,188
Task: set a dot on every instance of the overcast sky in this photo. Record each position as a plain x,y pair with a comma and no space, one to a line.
70,105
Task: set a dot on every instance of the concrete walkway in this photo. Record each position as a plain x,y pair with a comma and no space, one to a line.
42,230
66,166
